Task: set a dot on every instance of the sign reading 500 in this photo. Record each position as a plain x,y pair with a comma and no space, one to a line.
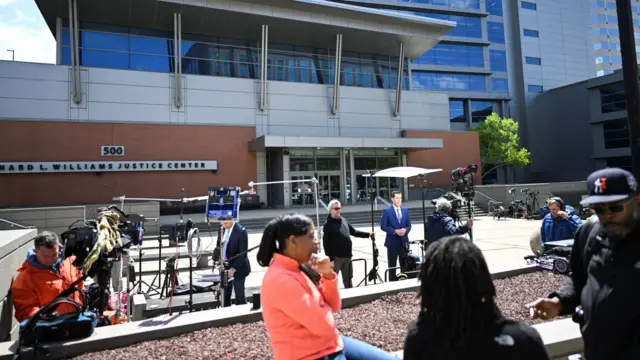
111,150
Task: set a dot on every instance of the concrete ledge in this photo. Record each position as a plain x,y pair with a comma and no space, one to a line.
170,326
562,338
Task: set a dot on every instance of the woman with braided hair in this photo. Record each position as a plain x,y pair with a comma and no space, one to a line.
459,318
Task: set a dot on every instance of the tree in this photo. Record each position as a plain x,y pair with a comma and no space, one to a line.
500,144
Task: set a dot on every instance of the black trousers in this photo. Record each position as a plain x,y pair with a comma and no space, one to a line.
395,256
237,286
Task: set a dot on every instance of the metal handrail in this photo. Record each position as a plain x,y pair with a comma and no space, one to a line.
382,200
325,206
491,201
12,224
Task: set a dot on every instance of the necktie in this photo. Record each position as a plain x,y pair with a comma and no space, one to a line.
399,214
227,234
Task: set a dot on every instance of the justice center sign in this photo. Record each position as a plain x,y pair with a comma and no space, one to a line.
105,166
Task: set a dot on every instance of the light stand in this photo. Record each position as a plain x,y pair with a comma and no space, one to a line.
373,275
424,210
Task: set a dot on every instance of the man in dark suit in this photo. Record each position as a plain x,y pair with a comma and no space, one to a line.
235,240
395,222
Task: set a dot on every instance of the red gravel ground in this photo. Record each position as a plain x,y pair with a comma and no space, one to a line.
382,323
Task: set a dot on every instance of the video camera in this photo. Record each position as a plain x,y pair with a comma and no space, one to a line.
464,181
80,241
456,204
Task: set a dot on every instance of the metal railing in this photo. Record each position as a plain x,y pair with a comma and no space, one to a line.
325,206
366,271
382,200
12,224
491,201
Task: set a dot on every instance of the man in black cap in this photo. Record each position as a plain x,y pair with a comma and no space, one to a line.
603,291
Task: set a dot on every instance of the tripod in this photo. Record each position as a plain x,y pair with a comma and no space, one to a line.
470,216
170,277
152,289
373,274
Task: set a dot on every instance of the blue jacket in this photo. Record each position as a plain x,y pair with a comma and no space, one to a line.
389,224
554,230
440,225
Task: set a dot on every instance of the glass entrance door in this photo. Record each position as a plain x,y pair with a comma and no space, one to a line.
329,187
302,191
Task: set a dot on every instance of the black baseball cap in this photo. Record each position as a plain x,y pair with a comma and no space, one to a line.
609,185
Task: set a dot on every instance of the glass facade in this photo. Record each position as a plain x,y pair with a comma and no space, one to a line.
532,60
534,88
465,4
447,81
457,113
144,50
498,60
495,32
499,85
616,134
466,26
494,7
480,110
453,55
612,98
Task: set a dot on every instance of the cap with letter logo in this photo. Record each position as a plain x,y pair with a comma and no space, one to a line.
609,185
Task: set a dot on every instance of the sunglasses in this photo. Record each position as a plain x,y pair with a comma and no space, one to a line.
336,208
614,209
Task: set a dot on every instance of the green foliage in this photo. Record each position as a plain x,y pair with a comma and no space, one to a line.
500,143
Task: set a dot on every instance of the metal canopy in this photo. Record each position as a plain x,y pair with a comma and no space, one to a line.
403,172
309,23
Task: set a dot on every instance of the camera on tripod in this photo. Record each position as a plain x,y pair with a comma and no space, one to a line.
456,204
80,241
464,181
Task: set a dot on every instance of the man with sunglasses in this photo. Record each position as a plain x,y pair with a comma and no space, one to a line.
603,290
336,240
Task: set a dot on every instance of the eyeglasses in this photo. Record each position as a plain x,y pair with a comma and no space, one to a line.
336,208
618,208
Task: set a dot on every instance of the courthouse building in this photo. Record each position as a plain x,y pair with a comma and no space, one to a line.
150,96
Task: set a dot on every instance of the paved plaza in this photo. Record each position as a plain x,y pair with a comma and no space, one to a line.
503,242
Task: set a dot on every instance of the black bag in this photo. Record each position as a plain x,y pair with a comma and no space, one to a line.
45,326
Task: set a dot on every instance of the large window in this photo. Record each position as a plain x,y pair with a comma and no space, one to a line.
498,60
457,114
499,85
612,98
146,50
533,60
495,32
534,88
528,5
530,33
623,162
467,4
447,81
453,55
466,26
494,7
480,110
616,134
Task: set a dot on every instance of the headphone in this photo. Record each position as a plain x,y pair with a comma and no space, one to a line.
558,201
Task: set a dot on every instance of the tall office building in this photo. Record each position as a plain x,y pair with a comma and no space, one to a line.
606,39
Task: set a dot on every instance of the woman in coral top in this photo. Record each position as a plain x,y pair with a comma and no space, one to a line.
300,294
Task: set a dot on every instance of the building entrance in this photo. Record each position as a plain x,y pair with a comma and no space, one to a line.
329,187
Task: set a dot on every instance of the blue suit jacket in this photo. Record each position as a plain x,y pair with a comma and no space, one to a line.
389,224
239,242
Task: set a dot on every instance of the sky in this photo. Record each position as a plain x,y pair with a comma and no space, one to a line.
23,30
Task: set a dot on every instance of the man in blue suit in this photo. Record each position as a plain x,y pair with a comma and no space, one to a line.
395,222
235,241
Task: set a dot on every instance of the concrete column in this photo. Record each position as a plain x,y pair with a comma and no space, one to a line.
396,111
286,175
261,160
336,78
177,58
264,47
343,175
58,41
405,182
352,171
467,111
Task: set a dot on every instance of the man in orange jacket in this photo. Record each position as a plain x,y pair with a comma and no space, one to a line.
43,276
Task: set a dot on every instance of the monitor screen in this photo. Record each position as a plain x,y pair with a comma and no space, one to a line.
222,203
